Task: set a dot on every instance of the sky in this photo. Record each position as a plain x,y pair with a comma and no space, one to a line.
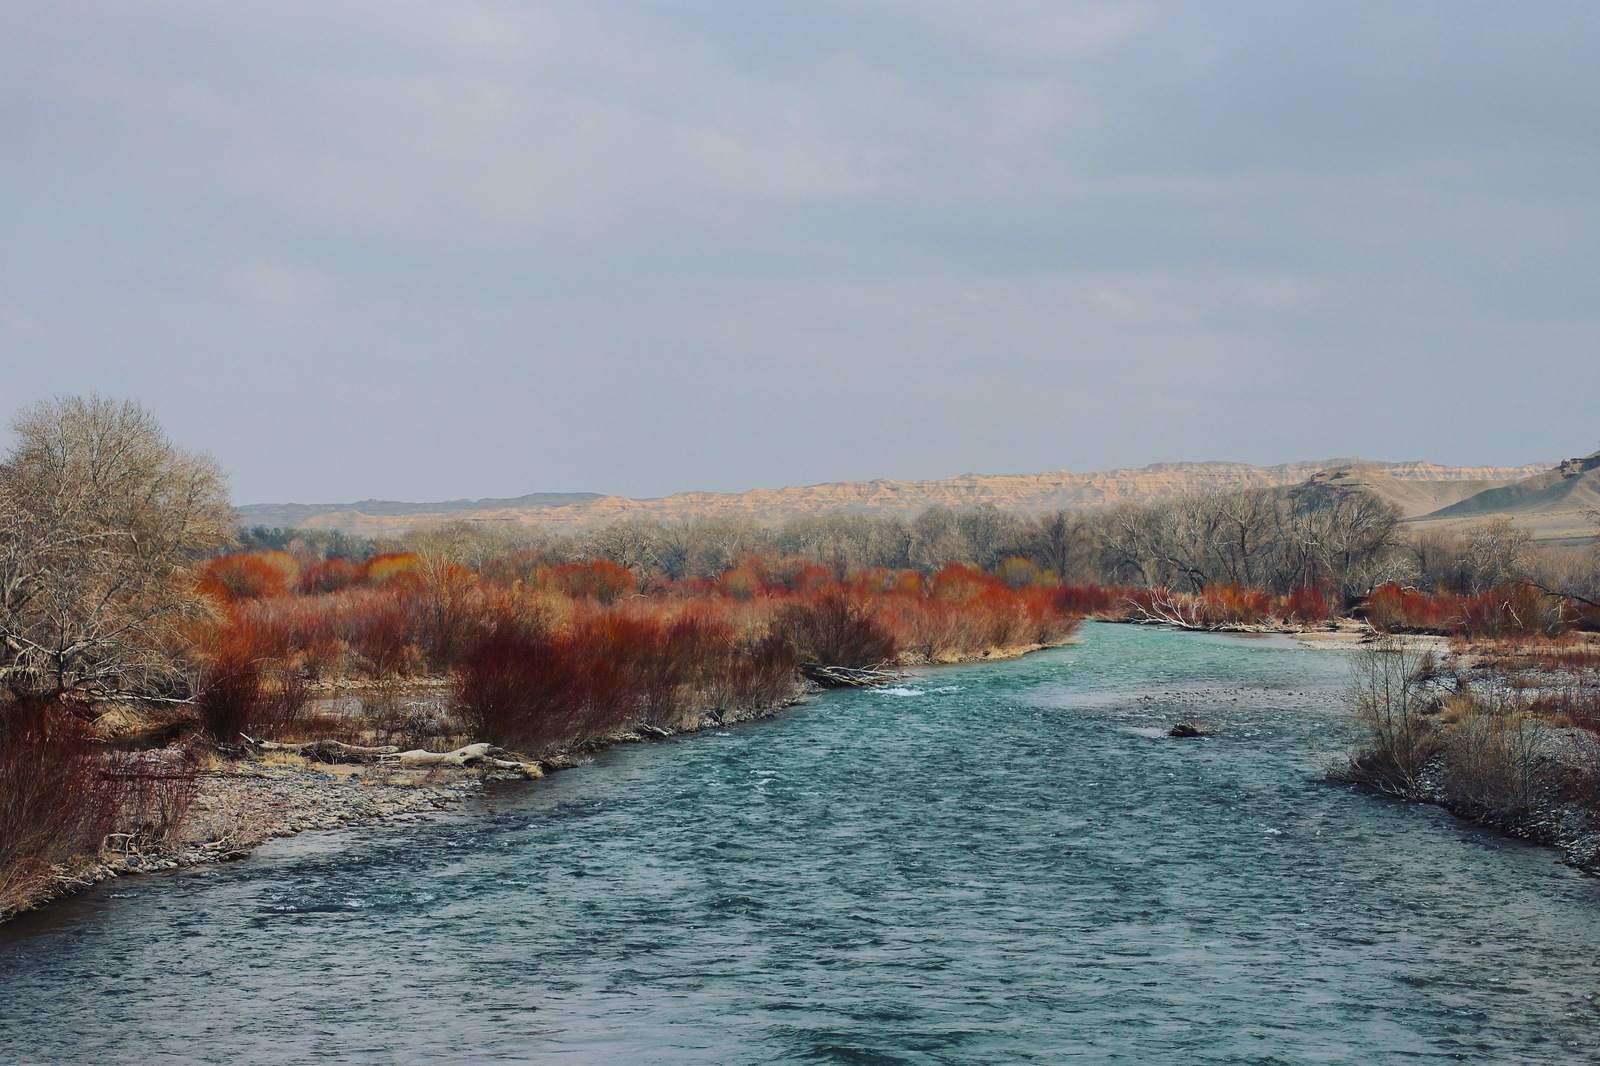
429,250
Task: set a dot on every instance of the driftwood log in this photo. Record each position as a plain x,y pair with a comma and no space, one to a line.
333,751
471,755
324,750
848,676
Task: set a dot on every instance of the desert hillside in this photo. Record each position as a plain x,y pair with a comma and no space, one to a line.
1418,487
1553,504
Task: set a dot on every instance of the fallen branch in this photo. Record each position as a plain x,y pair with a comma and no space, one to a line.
848,676
332,751
1548,591
1169,608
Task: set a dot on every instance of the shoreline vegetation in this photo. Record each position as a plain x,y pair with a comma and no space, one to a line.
1502,733
175,692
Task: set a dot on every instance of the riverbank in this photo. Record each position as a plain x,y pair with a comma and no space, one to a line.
1561,822
241,803
1501,733
1557,805
235,805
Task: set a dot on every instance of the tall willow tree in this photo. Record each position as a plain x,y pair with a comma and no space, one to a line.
100,518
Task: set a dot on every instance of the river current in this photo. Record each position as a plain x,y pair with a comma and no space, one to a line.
994,863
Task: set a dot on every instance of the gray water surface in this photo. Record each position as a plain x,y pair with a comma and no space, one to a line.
994,863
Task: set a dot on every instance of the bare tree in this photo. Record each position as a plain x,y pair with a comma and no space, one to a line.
100,517
1388,685
1496,551
1244,534
848,542
1167,544
1064,543
471,544
1352,537
636,542
937,540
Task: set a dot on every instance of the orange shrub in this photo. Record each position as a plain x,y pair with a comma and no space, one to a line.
743,582
387,566
1509,611
1230,605
1514,611
1307,606
248,576
1393,608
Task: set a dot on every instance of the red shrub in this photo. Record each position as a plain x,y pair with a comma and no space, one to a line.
1307,606
1509,611
246,686
836,628
1395,609
330,575
808,577
743,582
247,576
445,611
959,582
231,693
1230,605
1513,611
1091,601
380,634
520,692
600,580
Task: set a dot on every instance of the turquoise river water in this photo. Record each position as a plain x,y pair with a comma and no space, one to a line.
996,863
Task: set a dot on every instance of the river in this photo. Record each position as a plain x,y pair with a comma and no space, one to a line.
994,863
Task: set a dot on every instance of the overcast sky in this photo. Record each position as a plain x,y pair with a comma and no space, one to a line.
429,250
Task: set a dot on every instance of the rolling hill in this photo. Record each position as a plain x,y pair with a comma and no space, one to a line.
1553,505
1418,487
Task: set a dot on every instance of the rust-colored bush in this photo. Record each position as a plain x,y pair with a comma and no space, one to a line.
247,576
1394,608
158,790
836,628
1230,605
1506,612
330,575
1091,601
524,693
446,612
56,804
1307,606
380,633
1514,611
601,580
